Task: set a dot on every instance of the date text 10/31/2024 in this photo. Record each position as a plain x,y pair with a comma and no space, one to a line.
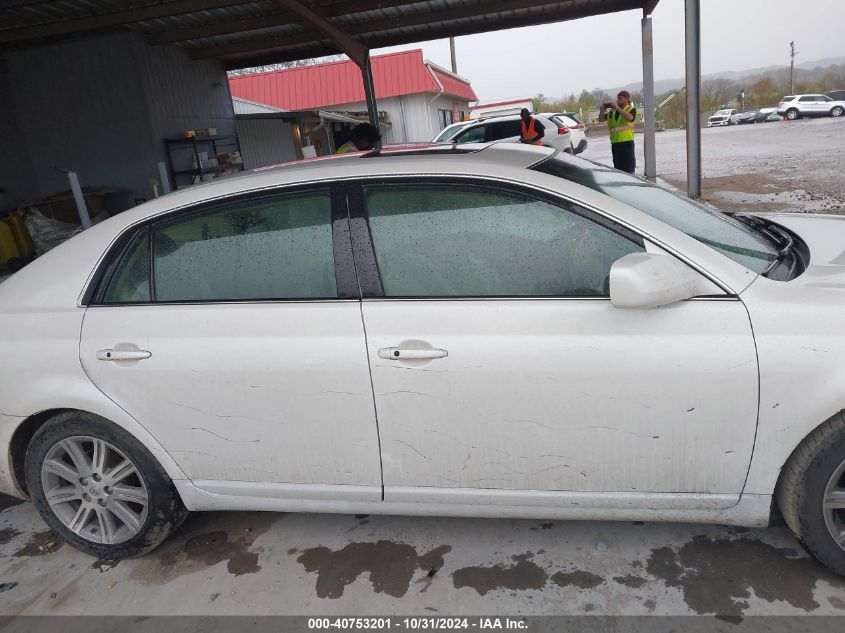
418,623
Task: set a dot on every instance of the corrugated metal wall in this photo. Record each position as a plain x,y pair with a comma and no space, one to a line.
102,107
81,105
266,142
16,173
183,94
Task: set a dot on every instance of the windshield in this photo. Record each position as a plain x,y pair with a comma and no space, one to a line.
448,131
719,231
722,113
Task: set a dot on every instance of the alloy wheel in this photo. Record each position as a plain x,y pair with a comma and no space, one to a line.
94,490
833,505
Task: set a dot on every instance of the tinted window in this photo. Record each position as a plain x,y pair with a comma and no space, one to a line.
473,135
445,241
809,98
823,98
277,248
130,282
719,231
505,129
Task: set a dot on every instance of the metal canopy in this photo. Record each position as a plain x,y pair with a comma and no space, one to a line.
244,33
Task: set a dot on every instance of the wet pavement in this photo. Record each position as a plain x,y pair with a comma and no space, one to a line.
794,166
275,564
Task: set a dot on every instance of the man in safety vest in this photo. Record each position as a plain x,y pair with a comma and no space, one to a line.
620,117
364,136
532,129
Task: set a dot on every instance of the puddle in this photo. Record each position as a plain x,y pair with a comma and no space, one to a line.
203,541
717,575
40,544
522,575
391,566
579,578
7,534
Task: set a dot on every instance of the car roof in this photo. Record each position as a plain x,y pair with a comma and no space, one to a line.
513,117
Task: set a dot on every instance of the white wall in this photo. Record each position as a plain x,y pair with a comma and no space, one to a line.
267,142
413,118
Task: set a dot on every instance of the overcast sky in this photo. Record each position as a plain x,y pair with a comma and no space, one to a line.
606,51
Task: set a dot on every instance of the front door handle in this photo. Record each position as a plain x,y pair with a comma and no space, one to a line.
122,354
398,353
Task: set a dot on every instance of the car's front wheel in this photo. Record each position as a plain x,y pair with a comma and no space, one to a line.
98,488
811,493
837,111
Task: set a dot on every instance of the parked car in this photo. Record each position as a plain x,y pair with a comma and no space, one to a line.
797,106
508,128
837,95
576,128
723,117
768,115
750,116
541,336
449,130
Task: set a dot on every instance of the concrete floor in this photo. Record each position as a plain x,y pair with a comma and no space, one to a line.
261,564
275,564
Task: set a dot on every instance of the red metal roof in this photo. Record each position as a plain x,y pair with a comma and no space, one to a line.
337,83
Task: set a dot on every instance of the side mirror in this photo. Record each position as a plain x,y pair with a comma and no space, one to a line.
650,280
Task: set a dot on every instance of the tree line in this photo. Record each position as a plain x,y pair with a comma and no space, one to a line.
760,92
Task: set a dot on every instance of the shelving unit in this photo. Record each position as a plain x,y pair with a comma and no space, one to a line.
186,151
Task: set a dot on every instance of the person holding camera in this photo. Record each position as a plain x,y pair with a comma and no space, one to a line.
620,117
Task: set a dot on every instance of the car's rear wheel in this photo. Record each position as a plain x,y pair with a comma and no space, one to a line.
837,111
811,493
792,114
99,489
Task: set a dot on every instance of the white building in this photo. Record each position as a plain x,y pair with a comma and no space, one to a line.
416,98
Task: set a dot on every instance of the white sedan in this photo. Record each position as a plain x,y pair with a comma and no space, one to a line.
490,331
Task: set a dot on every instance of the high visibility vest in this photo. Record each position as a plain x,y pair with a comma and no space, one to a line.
347,147
528,132
621,130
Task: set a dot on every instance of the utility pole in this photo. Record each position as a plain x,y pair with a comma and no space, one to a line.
454,60
792,68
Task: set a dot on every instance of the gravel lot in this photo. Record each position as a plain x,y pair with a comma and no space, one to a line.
794,166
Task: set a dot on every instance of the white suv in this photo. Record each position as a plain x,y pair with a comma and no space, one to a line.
507,128
724,117
796,106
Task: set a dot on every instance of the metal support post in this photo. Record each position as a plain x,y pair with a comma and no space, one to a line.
370,90
648,100
693,83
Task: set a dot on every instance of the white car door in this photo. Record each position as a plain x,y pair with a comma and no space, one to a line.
244,353
498,361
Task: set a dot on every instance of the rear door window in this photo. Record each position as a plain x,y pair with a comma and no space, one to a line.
505,129
272,248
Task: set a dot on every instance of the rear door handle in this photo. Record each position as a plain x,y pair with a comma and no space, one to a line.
398,353
122,354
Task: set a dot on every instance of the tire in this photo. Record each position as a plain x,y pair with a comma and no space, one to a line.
792,114
805,482
68,443
837,111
